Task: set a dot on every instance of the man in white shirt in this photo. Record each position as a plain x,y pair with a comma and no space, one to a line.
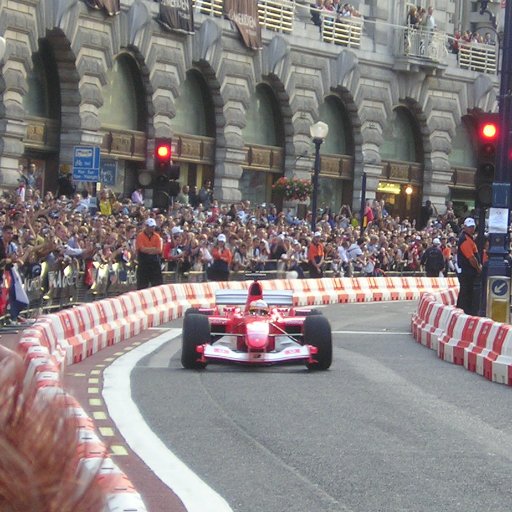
429,23
137,197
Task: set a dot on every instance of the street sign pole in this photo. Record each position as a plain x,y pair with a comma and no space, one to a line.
499,216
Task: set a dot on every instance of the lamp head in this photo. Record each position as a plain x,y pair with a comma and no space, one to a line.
319,131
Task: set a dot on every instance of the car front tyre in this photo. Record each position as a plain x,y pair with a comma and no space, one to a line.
196,331
317,332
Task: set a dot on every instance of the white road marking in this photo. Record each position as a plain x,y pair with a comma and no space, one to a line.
191,490
371,332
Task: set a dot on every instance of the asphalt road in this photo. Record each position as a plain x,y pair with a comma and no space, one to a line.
389,427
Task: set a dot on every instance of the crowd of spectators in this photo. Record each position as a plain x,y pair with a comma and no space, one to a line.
332,10
59,230
467,37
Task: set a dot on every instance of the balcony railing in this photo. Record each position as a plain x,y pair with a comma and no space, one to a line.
478,57
342,31
422,44
410,44
277,15
210,7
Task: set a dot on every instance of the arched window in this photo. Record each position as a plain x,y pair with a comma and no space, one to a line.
43,77
123,105
401,138
462,154
335,187
194,108
264,124
264,138
339,140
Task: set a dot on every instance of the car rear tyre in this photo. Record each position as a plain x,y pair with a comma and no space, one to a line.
317,332
196,331
194,311
313,312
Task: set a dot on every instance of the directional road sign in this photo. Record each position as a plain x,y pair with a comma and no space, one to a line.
86,163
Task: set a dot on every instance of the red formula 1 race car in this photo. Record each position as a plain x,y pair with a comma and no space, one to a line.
268,330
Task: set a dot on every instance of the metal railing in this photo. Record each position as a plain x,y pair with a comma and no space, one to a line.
423,44
280,15
478,57
210,7
277,15
342,31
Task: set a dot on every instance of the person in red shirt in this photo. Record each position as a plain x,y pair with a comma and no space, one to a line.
148,245
222,257
368,216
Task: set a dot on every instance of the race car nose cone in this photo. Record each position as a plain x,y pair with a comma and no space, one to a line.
257,335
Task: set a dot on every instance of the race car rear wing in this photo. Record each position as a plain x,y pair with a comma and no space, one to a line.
239,297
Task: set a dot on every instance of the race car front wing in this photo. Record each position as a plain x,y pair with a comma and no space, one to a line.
301,353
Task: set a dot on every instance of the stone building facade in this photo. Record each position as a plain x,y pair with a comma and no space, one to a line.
74,76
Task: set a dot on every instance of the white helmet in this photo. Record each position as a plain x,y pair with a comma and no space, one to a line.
258,307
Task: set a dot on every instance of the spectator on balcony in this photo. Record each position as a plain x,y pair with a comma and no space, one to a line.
316,17
477,38
467,36
488,39
328,7
454,43
412,17
345,11
354,13
428,21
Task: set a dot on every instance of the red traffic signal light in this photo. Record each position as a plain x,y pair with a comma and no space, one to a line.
163,151
488,133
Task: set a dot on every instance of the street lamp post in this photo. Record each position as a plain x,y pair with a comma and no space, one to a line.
318,133
501,187
499,213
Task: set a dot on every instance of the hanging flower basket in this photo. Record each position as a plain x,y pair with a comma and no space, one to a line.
295,189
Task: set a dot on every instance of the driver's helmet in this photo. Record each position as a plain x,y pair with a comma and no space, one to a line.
258,307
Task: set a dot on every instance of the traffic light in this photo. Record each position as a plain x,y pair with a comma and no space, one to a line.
163,154
164,168
488,133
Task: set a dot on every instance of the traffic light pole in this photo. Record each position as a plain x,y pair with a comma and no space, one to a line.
498,236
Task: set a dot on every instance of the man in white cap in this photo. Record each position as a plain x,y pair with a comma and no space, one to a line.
468,268
432,259
148,245
316,256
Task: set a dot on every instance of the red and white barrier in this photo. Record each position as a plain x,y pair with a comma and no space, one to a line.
71,335
480,344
